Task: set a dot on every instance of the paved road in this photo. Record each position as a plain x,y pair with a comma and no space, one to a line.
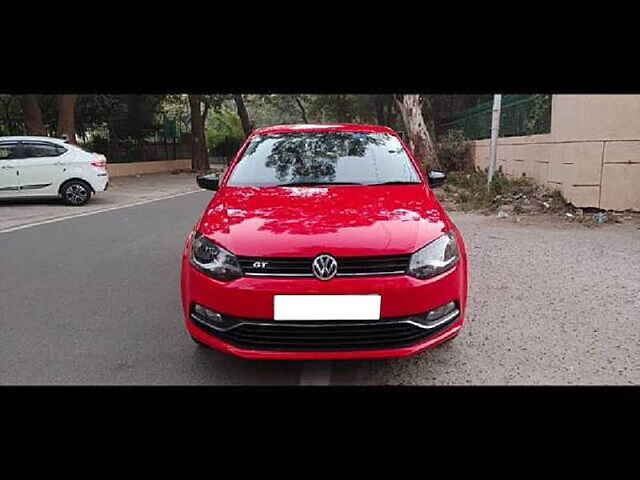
94,300
121,191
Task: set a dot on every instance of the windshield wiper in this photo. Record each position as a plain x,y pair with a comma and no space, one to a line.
395,182
308,184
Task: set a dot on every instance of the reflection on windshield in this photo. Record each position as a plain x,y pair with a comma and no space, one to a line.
323,158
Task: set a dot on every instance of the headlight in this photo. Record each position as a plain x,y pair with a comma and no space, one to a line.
213,260
437,257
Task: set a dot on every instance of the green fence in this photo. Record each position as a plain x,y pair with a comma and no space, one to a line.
520,115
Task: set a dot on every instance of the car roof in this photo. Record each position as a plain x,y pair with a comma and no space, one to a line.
322,127
25,138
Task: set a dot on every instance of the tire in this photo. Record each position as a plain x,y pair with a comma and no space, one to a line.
75,192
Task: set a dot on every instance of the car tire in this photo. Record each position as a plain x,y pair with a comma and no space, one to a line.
75,192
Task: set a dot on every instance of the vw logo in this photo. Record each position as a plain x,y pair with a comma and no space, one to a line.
324,267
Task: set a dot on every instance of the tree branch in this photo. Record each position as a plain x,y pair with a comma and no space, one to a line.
304,114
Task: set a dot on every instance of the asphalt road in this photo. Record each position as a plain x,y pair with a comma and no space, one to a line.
94,300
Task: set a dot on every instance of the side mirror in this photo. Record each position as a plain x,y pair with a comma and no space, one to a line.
208,182
436,178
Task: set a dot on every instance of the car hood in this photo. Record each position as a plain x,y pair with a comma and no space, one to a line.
339,220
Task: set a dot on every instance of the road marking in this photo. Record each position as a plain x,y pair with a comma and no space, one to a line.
95,212
316,373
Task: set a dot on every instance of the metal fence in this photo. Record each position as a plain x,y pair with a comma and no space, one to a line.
123,152
520,115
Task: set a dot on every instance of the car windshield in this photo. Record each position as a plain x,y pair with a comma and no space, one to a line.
312,158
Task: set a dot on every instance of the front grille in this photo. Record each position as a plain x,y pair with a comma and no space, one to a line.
318,336
347,266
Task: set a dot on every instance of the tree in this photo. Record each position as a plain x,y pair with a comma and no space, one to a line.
242,113
379,106
11,116
97,115
338,108
302,110
224,132
32,115
274,109
420,141
199,153
66,117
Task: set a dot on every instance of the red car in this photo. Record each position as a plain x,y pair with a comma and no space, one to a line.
323,242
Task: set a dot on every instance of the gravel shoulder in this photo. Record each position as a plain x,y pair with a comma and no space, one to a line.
549,304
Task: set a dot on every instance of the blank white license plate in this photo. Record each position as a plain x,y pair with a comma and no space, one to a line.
326,307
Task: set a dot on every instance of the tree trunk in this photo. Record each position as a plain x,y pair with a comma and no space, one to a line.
66,117
205,148
379,104
242,113
302,110
199,154
420,141
32,115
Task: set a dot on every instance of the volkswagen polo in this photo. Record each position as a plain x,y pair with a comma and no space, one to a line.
323,242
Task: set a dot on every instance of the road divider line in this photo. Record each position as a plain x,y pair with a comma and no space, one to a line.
95,212
316,373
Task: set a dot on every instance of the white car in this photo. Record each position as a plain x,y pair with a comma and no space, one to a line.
50,167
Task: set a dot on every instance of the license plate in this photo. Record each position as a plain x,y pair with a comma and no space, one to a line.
326,307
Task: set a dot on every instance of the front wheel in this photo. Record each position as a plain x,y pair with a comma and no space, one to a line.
75,192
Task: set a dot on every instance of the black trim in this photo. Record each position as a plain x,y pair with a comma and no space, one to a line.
43,143
35,186
19,150
269,335
283,266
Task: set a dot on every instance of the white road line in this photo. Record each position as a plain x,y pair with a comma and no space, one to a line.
95,212
316,373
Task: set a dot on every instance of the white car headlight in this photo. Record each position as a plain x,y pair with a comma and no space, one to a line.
436,257
213,260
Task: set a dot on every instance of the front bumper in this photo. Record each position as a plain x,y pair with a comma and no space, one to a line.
251,298
253,354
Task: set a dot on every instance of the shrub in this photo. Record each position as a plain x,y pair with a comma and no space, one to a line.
224,131
472,192
454,151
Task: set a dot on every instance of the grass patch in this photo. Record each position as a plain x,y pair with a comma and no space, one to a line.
468,190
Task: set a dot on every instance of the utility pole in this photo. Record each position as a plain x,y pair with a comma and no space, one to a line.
495,128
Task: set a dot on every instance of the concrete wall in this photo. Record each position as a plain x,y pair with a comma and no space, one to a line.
592,154
135,168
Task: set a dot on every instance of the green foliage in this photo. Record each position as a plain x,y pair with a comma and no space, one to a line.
454,151
539,115
224,132
277,109
520,115
471,188
11,119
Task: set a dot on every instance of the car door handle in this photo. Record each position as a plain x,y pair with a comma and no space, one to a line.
7,166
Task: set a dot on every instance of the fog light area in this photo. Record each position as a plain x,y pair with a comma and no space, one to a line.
210,318
438,316
440,312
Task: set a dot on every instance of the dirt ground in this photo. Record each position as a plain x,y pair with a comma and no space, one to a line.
538,208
